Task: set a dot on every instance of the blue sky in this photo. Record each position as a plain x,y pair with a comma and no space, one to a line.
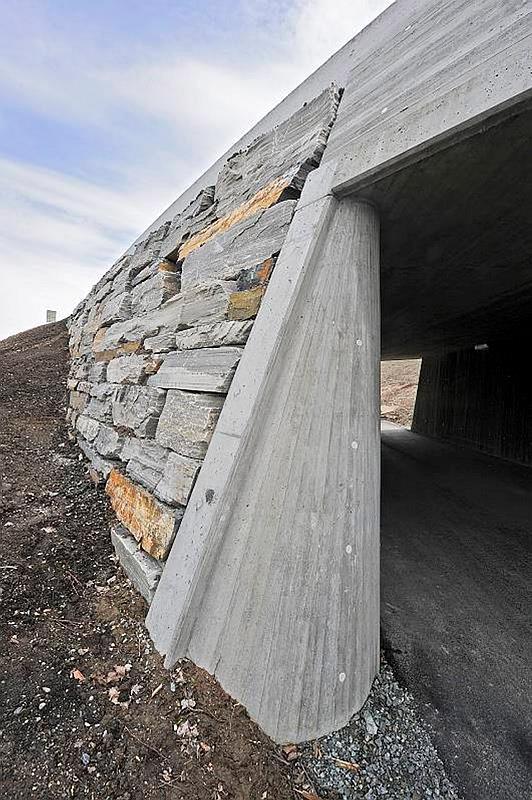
110,109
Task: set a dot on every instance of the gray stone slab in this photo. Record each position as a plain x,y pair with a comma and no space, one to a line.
187,422
102,291
209,369
100,409
203,304
178,479
154,267
168,316
133,330
98,372
214,334
142,570
89,428
115,308
198,214
153,292
78,400
80,369
138,408
108,442
131,369
100,464
146,461
242,247
292,149
161,343
103,390
149,248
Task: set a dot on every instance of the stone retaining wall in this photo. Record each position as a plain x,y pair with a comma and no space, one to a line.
155,344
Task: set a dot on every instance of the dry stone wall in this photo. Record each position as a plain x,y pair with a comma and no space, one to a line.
155,344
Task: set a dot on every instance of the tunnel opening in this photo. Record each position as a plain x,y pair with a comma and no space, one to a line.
456,496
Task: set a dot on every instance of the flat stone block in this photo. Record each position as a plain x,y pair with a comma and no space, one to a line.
187,422
178,479
214,334
153,292
246,304
142,570
242,247
84,386
78,400
204,304
291,150
160,265
161,343
138,408
146,461
89,428
100,409
114,308
132,368
197,215
104,356
210,369
151,523
108,442
265,197
99,464
98,372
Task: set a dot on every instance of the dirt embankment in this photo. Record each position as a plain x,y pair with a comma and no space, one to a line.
399,381
87,709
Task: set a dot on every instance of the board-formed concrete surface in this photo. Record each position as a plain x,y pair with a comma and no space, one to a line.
456,574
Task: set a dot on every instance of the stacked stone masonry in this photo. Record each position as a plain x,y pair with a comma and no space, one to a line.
156,343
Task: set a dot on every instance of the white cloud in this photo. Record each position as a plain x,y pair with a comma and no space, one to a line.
320,27
168,114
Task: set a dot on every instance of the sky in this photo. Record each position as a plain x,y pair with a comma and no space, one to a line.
109,109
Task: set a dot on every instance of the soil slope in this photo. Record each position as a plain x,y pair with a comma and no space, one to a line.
86,709
399,381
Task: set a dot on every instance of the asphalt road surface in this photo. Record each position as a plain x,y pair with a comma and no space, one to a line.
456,577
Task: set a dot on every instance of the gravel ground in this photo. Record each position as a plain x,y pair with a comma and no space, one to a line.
384,752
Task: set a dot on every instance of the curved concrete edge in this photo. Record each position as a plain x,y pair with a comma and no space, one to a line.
272,582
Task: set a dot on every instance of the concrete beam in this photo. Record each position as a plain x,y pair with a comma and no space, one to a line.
453,67
272,583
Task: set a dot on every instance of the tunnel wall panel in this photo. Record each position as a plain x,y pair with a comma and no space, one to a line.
478,398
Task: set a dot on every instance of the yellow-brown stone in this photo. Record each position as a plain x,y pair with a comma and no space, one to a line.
264,198
265,270
151,523
245,305
122,350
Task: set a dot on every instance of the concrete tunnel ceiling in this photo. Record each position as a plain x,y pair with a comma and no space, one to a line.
456,243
